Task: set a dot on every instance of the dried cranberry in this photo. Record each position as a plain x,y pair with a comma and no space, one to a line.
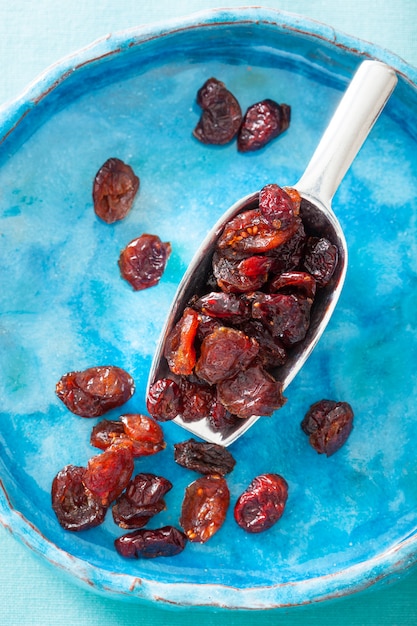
108,473
129,516
224,306
142,500
204,457
278,208
146,489
261,123
75,506
140,432
207,324
221,116
328,424
144,433
223,353
240,276
114,190
143,261
286,316
320,259
107,432
204,507
198,399
272,352
179,348
288,256
262,504
250,232
148,544
295,198
220,419
302,283
95,391
251,392
164,400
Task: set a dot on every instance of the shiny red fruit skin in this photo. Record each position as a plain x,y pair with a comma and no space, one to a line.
109,473
75,507
114,190
262,122
221,116
96,390
262,504
144,433
149,543
164,401
142,262
204,457
204,507
224,353
179,348
328,425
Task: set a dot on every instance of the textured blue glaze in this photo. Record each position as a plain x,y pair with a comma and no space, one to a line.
350,519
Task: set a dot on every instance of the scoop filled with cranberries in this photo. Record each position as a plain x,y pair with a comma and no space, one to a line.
262,287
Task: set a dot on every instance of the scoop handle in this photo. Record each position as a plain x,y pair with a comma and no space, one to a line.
363,101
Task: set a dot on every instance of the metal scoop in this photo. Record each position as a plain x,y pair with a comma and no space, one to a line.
358,110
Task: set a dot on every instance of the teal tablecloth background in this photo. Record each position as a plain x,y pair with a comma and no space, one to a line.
34,35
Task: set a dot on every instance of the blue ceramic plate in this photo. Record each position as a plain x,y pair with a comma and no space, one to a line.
351,519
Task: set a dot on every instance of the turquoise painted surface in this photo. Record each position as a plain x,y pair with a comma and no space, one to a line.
64,306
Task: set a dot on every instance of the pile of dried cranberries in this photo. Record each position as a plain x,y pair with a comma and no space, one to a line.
81,496
221,353
222,119
225,351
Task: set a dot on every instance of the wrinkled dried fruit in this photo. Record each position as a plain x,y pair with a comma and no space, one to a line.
328,425
251,232
272,352
204,507
224,353
114,190
164,400
289,255
146,489
141,432
262,122
262,504
227,307
198,400
221,116
145,434
106,432
96,390
179,348
142,500
220,419
286,316
143,261
253,310
278,207
206,325
148,544
75,507
251,392
320,259
300,283
204,457
108,473
127,515
241,275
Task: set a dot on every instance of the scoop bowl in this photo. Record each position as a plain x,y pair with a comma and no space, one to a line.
359,108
